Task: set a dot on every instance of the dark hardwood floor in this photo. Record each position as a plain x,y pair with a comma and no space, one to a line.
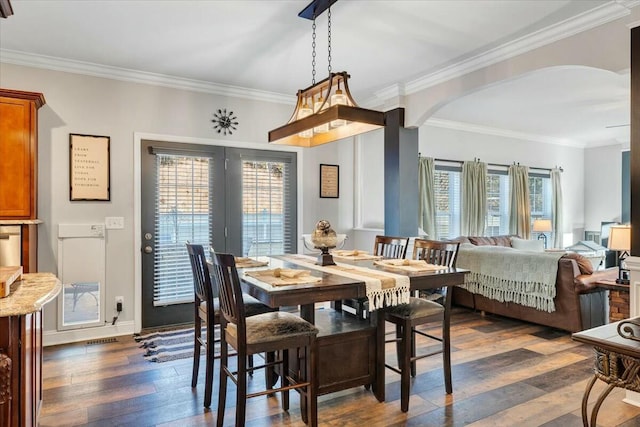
505,373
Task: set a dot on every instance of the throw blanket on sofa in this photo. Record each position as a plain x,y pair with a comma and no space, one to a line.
510,275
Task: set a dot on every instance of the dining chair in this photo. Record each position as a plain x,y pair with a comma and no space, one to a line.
418,312
388,247
279,332
207,312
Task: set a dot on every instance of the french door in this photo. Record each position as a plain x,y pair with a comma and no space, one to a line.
239,201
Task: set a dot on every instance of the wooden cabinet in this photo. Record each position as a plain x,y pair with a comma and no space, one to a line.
21,340
18,153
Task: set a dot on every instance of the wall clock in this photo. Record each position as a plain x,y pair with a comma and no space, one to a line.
224,122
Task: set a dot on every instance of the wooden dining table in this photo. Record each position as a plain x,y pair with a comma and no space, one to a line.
343,338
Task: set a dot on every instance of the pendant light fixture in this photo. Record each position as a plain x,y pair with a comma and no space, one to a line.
325,111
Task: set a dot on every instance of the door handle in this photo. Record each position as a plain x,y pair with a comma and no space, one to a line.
148,249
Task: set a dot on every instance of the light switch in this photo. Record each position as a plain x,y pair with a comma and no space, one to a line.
114,222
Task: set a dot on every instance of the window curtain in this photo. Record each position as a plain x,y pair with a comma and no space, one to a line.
427,218
556,208
519,205
474,198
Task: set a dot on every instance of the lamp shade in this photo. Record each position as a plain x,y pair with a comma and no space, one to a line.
328,122
620,238
542,225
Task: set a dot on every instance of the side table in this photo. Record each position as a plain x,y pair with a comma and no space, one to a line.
617,360
619,299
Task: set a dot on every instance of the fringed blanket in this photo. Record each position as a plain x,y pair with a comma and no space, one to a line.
509,275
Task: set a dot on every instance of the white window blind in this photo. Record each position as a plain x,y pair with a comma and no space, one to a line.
497,222
183,203
447,199
267,208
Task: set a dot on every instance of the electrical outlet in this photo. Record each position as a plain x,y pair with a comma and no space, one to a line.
114,222
119,300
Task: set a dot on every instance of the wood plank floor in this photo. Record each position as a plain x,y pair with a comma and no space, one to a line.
505,373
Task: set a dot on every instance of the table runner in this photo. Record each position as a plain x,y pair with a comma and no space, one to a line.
353,255
283,277
382,288
410,265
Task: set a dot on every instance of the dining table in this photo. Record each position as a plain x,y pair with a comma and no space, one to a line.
351,349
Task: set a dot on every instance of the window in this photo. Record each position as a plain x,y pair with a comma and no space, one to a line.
447,193
497,222
266,221
182,214
540,196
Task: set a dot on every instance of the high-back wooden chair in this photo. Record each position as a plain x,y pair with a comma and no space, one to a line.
418,312
391,247
269,332
207,313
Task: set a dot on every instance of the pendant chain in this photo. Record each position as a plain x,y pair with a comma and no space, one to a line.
329,39
313,54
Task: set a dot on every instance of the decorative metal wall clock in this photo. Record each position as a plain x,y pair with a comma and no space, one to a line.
224,122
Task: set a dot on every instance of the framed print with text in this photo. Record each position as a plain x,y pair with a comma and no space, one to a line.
329,181
89,178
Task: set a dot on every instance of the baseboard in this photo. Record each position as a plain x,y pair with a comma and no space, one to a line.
87,334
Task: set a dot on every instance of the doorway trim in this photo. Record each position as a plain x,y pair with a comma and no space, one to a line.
137,207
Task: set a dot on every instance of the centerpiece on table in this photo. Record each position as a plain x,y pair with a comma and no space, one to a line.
325,238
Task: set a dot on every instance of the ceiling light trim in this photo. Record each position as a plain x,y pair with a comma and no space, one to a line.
134,76
488,130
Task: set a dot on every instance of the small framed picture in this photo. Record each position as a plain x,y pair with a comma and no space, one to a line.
89,178
329,181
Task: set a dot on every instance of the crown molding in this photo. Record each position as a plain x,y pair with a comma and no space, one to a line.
123,74
487,130
583,22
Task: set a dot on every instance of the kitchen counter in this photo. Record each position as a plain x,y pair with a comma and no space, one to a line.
30,294
20,221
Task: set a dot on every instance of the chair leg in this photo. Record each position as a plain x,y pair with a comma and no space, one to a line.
446,352
241,390
413,353
209,366
399,343
196,352
311,369
250,362
405,366
284,381
270,376
222,392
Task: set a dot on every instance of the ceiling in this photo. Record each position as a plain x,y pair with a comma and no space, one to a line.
262,48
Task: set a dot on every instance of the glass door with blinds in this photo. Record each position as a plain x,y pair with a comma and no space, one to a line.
229,200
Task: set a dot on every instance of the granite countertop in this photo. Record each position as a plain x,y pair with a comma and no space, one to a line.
20,221
30,294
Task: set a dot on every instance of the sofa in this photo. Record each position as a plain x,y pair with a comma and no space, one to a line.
578,303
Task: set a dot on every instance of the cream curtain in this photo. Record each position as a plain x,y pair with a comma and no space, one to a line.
474,198
427,214
556,208
519,205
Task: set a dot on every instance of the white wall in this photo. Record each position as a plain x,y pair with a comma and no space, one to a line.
602,185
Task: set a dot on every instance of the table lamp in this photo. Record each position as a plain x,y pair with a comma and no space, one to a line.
620,240
542,226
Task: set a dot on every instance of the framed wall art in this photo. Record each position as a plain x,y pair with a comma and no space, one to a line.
329,181
89,178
